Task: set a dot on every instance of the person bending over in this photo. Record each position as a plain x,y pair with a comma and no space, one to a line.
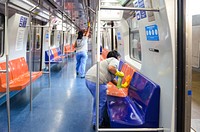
108,71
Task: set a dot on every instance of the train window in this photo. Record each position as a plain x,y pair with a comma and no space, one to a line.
29,40
52,38
59,38
135,45
37,39
66,38
1,35
28,43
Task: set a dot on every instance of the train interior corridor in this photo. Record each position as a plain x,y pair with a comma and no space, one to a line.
64,107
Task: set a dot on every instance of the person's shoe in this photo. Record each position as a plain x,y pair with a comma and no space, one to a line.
102,126
77,73
94,127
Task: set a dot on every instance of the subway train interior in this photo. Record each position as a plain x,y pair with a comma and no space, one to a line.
159,44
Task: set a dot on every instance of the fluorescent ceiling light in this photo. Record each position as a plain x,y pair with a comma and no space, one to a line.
46,12
29,3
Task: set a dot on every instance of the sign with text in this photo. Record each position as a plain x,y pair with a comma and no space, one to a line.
119,36
152,33
21,33
23,21
140,4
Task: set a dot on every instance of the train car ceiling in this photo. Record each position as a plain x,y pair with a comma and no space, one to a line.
113,14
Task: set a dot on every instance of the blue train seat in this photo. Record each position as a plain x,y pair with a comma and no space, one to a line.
55,56
140,109
121,62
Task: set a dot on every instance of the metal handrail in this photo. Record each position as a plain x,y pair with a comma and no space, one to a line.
128,8
130,129
7,59
3,71
30,53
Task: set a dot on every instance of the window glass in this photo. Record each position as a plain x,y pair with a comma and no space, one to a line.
29,40
52,38
135,44
59,38
38,42
28,43
2,29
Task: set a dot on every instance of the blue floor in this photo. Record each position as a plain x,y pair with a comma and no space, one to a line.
64,107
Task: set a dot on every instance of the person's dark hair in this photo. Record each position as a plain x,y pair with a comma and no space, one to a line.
114,54
80,35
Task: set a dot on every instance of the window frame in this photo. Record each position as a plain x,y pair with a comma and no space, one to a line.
131,31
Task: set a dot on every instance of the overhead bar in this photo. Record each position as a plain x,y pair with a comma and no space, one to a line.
39,26
128,8
2,71
91,9
130,129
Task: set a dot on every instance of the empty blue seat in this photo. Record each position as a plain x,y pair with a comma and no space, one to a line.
121,62
55,56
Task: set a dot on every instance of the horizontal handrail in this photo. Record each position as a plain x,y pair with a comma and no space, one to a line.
130,129
2,71
128,8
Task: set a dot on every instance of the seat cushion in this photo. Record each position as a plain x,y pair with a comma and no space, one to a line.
123,113
114,91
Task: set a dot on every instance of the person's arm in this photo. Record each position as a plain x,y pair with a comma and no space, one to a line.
88,30
114,71
75,44
114,81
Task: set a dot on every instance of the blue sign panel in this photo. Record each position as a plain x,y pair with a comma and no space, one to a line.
119,36
137,12
141,5
140,14
47,36
23,21
152,33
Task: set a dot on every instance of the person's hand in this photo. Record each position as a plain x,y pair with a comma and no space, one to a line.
119,74
124,85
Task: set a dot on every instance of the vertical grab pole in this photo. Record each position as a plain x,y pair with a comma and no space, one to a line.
63,47
98,66
7,69
71,54
62,35
30,62
49,50
94,41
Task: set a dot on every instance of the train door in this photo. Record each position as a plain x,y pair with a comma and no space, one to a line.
188,51
195,109
36,47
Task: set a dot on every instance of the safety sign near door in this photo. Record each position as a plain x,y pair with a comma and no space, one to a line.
152,33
